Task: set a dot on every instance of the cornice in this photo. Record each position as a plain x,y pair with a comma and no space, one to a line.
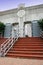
16,9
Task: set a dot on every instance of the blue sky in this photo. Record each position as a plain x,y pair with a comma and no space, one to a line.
10,4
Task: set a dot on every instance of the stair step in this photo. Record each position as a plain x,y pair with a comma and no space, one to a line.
30,38
28,46
27,52
30,43
25,56
25,49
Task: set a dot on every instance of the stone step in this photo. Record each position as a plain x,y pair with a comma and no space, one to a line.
26,52
31,43
27,49
27,46
24,49
25,56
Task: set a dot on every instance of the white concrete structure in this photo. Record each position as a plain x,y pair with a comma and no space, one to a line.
23,20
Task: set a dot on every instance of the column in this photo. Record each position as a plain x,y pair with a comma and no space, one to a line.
21,27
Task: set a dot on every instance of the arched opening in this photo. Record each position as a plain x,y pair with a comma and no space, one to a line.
28,29
15,29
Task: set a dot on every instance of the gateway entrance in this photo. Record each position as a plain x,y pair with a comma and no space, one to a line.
28,30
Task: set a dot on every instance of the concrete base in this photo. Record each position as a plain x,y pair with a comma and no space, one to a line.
19,61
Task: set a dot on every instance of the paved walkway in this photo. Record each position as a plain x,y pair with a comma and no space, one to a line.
19,61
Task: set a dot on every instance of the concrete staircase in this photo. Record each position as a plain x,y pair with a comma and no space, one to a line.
30,47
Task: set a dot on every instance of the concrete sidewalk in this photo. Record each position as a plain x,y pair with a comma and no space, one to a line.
19,61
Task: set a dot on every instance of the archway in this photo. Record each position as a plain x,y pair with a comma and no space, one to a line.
28,29
15,29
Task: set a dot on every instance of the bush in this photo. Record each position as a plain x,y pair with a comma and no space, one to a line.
40,22
2,28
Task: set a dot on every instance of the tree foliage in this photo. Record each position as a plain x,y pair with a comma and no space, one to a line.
40,22
2,27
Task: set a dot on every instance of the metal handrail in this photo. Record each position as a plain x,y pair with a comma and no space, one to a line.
4,42
6,47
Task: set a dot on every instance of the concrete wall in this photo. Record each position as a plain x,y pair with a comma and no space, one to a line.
31,13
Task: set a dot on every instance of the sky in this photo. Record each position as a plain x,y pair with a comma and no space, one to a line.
11,4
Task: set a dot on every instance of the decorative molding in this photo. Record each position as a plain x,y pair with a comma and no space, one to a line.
16,9
21,13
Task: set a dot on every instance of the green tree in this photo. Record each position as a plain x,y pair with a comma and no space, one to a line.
2,28
40,22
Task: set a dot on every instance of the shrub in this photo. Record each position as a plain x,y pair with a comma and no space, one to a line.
40,22
2,28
